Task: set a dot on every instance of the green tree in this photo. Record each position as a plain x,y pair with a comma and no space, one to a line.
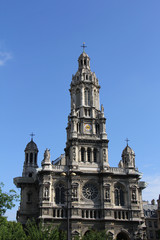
7,200
40,232
11,230
95,235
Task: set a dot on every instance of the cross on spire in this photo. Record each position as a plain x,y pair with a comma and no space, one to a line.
127,140
32,135
83,46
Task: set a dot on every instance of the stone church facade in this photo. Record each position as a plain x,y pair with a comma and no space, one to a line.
80,188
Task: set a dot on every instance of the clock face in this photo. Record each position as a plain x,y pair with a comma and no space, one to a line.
87,128
90,191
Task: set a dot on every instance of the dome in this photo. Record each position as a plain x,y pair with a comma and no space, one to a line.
127,151
31,146
83,55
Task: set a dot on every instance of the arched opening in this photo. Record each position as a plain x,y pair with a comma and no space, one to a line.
89,154
35,158
95,98
87,96
97,128
26,158
87,232
77,98
119,195
95,154
122,236
60,194
31,158
82,154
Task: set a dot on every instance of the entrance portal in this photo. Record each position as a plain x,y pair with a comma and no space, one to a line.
122,236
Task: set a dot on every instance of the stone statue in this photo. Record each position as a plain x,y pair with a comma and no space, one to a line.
102,108
133,195
46,192
47,154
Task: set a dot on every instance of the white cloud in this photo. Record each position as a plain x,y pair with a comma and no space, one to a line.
152,191
4,57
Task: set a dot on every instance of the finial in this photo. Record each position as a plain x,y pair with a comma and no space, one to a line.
32,135
83,46
127,140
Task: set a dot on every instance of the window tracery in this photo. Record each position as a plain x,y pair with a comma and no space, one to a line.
119,195
60,194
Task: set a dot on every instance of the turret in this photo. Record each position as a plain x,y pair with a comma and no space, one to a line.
128,158
30,163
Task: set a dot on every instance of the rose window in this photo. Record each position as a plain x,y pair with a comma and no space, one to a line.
90,191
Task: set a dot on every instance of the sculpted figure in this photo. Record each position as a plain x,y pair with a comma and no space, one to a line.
47,154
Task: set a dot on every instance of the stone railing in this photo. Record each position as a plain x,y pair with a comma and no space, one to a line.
116,170
59,167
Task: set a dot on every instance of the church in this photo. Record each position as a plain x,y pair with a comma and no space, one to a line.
79,190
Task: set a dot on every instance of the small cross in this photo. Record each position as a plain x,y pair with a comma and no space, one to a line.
32,134
83,46
127,140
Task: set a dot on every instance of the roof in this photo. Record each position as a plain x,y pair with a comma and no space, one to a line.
128,150
150,210
83,54
31,146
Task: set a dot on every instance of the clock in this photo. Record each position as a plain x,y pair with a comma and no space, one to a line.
87,128
90,191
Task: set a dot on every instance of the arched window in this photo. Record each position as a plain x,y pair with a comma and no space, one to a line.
26,158
87,96
31,157
119,195
95,98
89,154
82,154
60,194
77,98
116,197
97,128
95,154
35,158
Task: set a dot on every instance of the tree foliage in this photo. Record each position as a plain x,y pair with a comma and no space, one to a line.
11,230
39,231
95,235
7,200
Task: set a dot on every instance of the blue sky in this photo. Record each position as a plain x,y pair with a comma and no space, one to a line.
39,47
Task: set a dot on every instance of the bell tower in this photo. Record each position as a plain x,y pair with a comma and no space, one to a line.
87,142
30,162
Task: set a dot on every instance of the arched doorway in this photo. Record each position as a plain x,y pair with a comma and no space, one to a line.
87,232
122,236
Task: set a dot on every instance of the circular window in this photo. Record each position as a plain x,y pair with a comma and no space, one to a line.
90,191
